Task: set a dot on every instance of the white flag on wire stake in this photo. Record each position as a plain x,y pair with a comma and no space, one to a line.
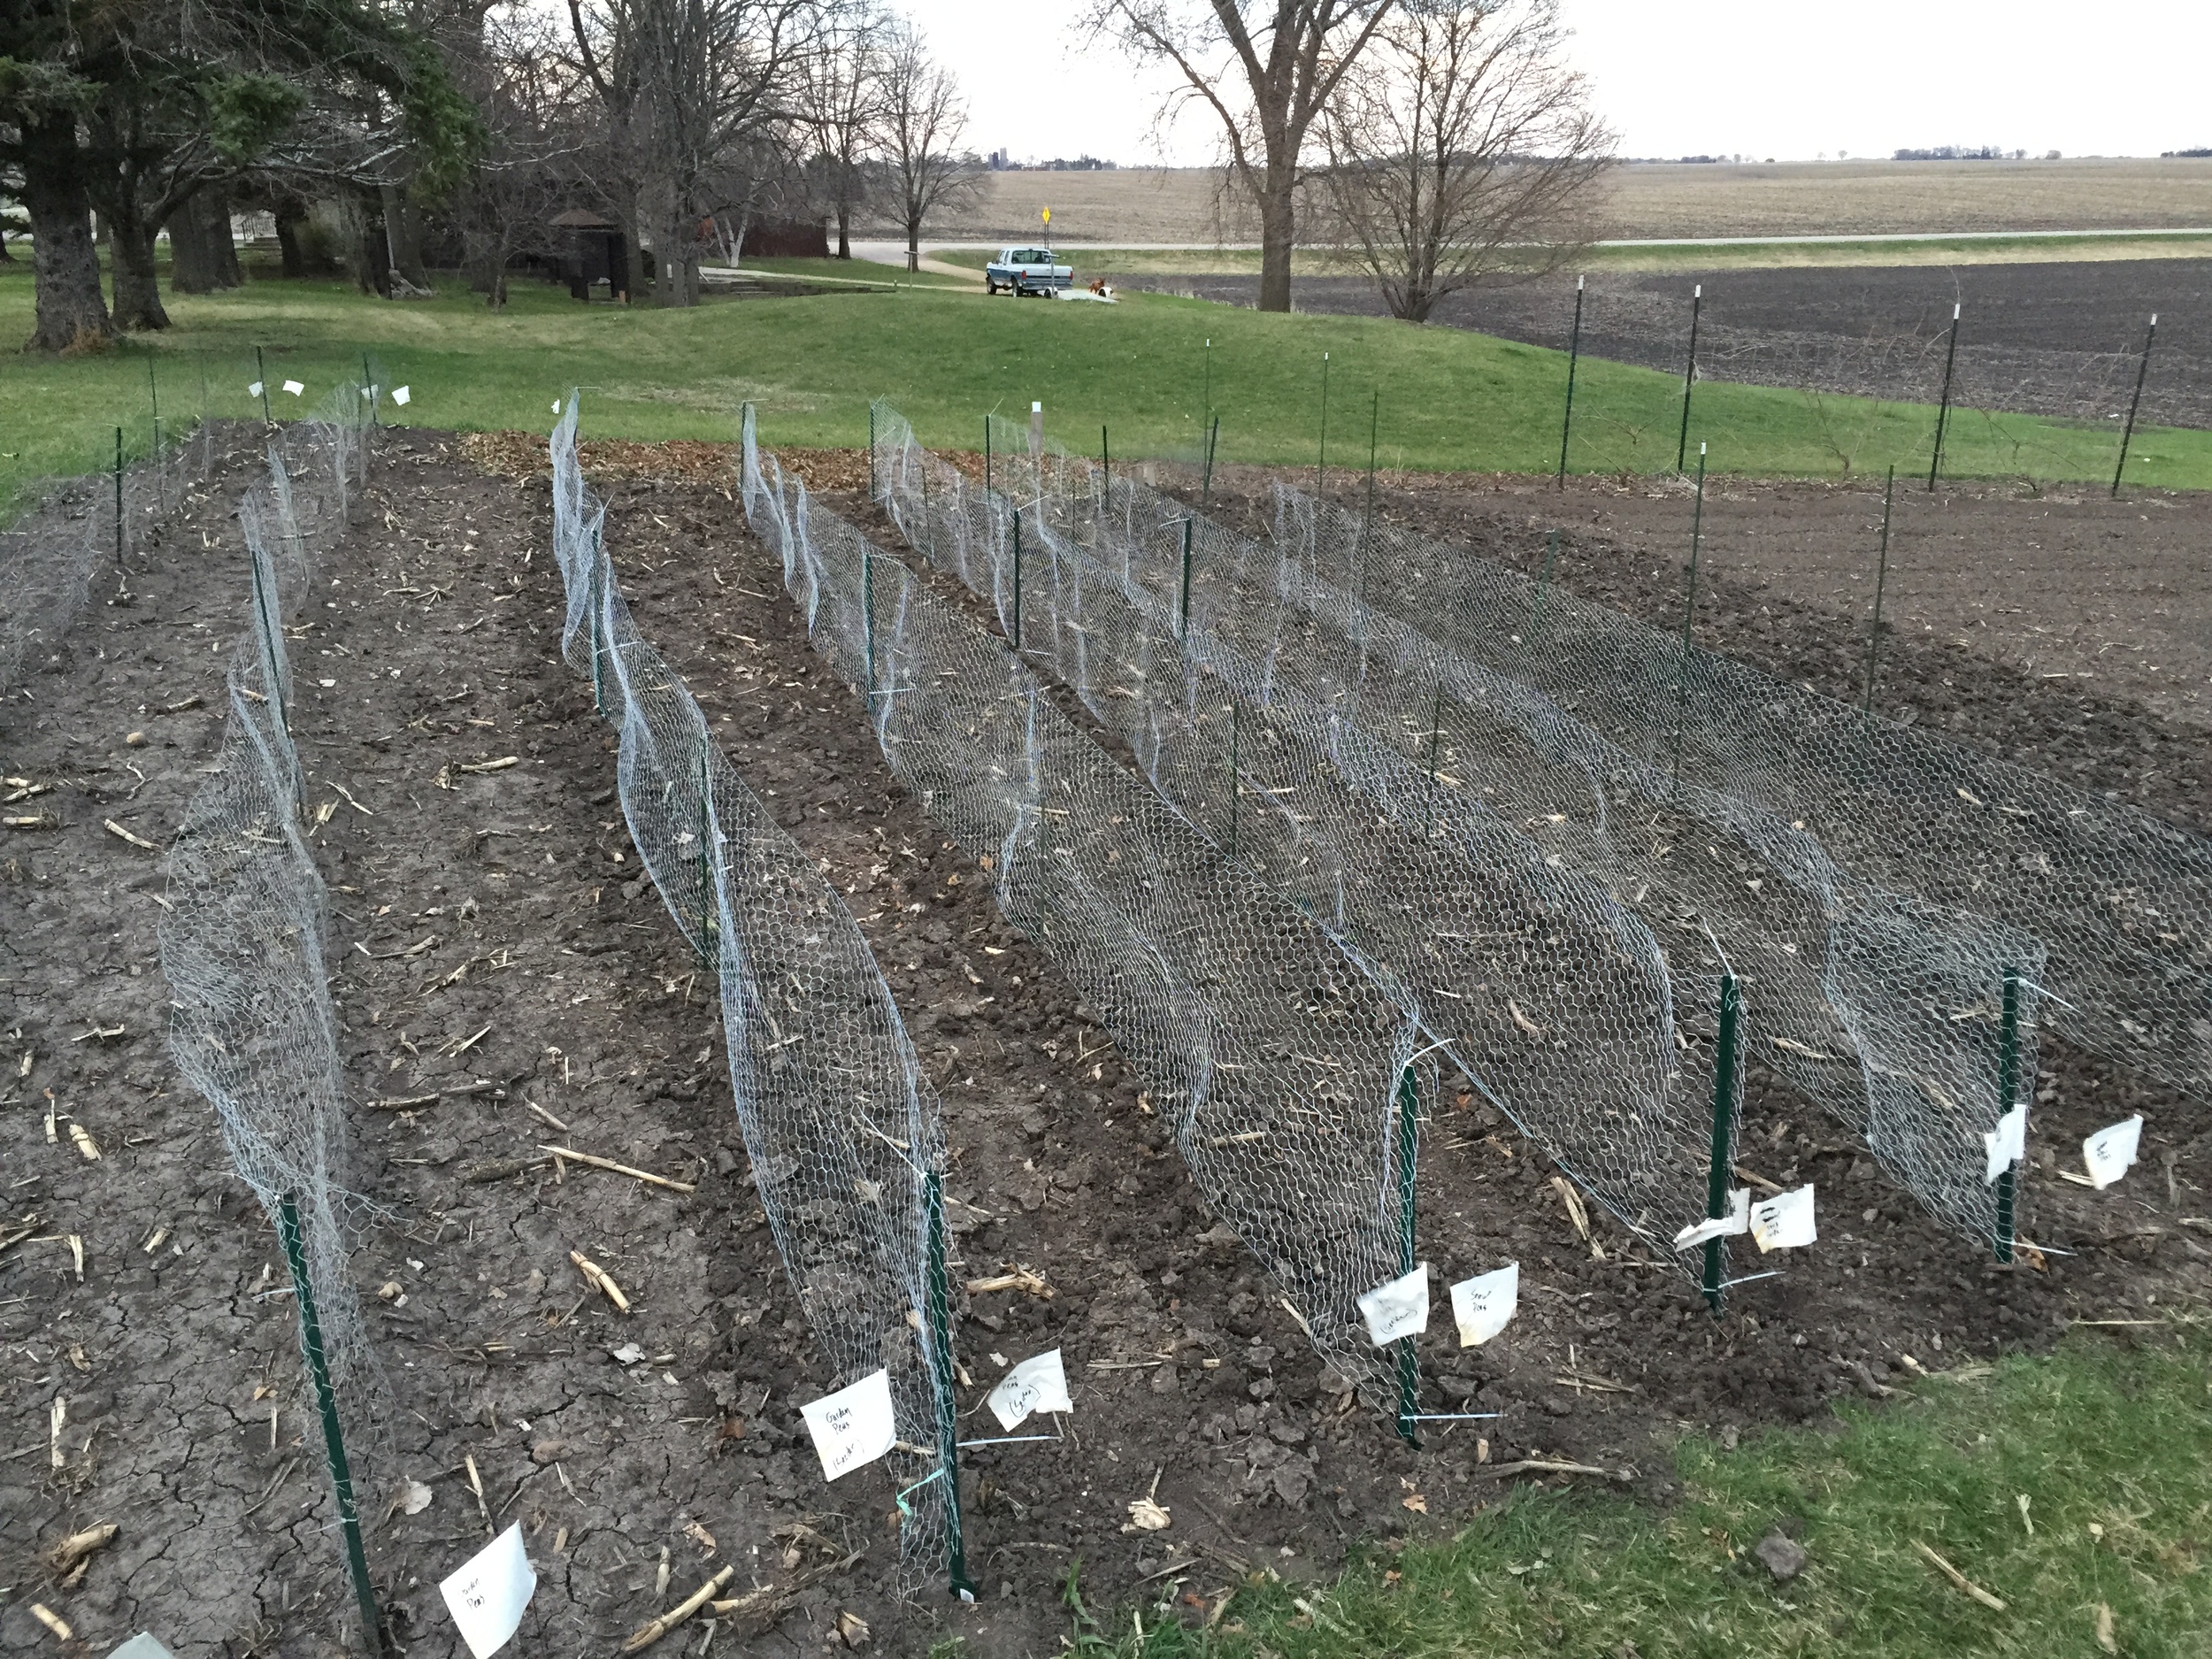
488,1593
2110,1152
1398,1307
2007,1143
1039,1383
294,387
854,1426
1482,1305
254,390
400,395
1783,1222
1737,1220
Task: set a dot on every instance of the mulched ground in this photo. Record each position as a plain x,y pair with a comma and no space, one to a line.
2060,338
491,928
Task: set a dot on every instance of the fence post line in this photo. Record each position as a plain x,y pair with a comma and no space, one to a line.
2008,1092
1321,465
2126,433
1574,357
1543,587
986,455
1689,614
1184,632
709,928
1409,1145
265,618
1689,378
598,688
1017,580
1724,1131
261,378
1213,445
334,1440
1106,467
118,498
1881,579
868,621
871,450
153,395
940,1362
1206,403
1943,408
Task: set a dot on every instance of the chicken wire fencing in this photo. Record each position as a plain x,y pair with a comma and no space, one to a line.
845,1134
1549,994
1884,1010
2120,900
1292,1072
242,940
77,529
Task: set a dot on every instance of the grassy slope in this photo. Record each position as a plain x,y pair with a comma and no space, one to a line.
2112,1451
1448,399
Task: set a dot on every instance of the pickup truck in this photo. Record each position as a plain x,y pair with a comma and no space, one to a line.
1025,271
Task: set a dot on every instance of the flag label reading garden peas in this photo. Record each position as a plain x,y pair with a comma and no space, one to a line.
853,1427
1783,1222
1397,1309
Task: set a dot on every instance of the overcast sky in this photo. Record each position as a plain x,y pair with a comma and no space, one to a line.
1776,78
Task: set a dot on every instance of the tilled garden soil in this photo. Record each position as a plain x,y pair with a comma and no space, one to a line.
2061,338
492,932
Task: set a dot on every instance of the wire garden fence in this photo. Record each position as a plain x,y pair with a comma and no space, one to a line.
1884,1009
242,949
845,1134
1292,1072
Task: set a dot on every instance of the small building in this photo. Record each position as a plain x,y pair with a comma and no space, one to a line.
590,251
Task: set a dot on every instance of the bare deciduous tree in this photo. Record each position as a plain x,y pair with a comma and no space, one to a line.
1465,147
1290,59
839,92
685,83
922,122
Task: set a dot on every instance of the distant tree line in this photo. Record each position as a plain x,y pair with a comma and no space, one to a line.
388,138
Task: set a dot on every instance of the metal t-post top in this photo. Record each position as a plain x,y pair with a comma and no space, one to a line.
1036,431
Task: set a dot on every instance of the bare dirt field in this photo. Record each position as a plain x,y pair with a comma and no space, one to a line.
2063,338
492,933
1662,200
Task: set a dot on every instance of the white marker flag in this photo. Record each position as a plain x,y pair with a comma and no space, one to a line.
1397,1309
2110,1152
1783,1222
1481,1305
1737,1220
487,1595
853,1427
254,390
2007,1142
400,395
293,386
1039,1384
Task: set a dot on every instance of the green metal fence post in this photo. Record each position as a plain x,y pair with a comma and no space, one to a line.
1408,1144
333,1441
1017,580
986,455
1184,632
1689,380
1881,579
709,909
1574,357
368,387
872,450
1106,467
1206,403
2142,369
1321,463
261,378
598,684
2007,1096
941,1361
1213,446
868,622
1689,613
1724,1131
1943,408
118,498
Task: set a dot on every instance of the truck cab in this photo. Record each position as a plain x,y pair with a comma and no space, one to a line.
1025,271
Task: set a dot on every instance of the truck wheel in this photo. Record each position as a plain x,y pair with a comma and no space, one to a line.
989,286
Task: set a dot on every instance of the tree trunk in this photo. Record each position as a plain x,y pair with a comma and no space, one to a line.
914,247
844,230
402,231
1278,233
373,270
289,216
63,259
131,269
202,256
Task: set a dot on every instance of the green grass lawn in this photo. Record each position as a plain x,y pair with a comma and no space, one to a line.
2111,1450
1437,398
